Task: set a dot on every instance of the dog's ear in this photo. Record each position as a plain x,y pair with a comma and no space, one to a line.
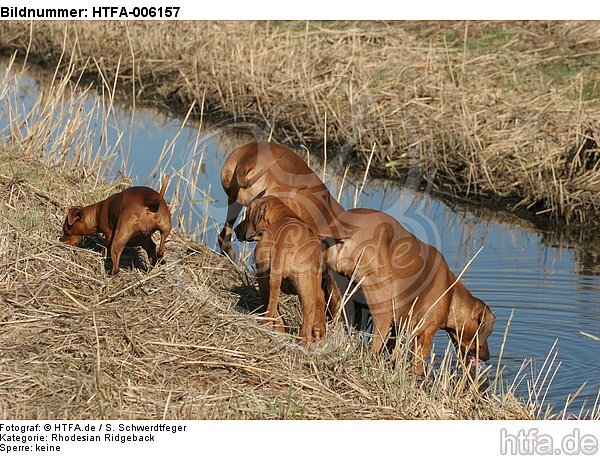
75,213
485,320
258,213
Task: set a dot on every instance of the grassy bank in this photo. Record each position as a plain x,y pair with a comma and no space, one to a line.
173,342
180,340
494,112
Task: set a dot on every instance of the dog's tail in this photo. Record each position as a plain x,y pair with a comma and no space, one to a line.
153,202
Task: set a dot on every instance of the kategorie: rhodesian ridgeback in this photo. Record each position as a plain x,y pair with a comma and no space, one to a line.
403,276
288,257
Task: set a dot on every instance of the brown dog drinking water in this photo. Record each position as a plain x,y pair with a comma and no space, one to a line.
129,217
288,257
406,280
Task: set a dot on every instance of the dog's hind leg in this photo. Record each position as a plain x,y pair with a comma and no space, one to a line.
263,287
164,234
273,305
313,309
150,247
117,244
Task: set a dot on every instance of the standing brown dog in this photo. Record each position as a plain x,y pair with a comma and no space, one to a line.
403,276
288,257
126,218
265,168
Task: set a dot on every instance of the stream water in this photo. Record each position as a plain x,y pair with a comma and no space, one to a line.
552,292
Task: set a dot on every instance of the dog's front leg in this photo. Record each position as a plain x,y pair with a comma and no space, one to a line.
421,349
233,210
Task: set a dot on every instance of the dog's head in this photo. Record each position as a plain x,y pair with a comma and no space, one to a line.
251,228
75,226
471,338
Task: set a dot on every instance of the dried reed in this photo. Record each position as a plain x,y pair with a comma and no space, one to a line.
506,112
178,341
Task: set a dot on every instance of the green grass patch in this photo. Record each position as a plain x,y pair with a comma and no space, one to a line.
558,72
490,41
591,90
383,77
301,26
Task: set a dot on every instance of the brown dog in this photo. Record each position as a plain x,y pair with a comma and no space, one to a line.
126,218
404,277
264,168
288,257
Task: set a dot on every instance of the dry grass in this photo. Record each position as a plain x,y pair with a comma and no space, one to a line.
503,112
182,340
177,341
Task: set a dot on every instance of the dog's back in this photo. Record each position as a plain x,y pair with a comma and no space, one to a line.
142,204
